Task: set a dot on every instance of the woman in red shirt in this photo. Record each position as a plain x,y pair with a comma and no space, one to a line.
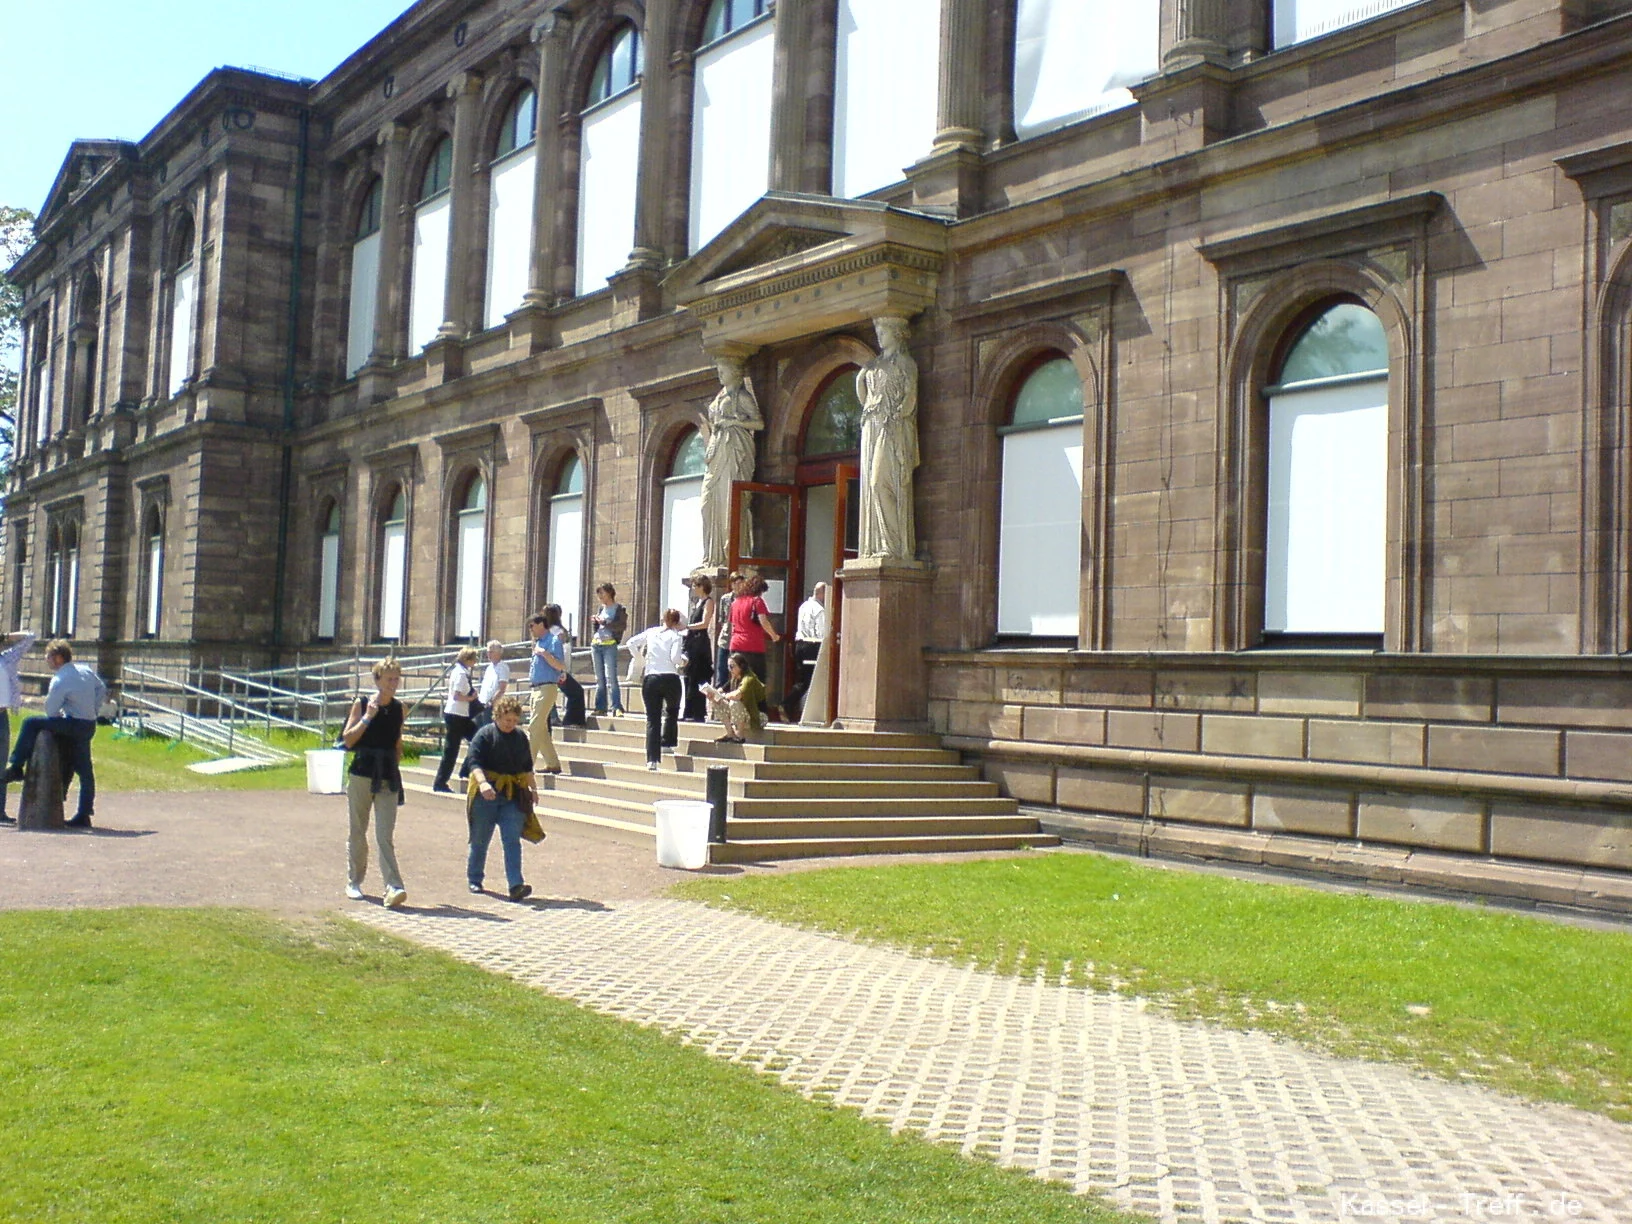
751,624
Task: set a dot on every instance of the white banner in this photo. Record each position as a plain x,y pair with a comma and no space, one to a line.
731,130
885,91
509,235
365,288
1039,553
430,282
607,180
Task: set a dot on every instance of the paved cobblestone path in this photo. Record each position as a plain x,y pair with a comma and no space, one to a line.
1181,1120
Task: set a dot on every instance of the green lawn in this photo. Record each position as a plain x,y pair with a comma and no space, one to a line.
201,1066
153,763
1526,1005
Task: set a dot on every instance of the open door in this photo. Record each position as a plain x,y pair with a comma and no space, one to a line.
766,522
846,544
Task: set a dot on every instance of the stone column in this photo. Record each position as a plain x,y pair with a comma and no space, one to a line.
466,91
816,23
788,95
550,35
655,134
1197,31
962,100
373,382
883,683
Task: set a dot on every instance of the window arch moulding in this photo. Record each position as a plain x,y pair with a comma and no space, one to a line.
1272,280
1605,178
555,434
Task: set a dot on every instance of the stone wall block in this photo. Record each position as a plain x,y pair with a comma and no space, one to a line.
1025,782
1300,809
1495,749
1251,735
984,721
1030,685
1200,801
1598,754
1444,698
1368,743
1440,823
1101,790
1587,836
1176,690
1063,725
1571,701
960,683
1169,732
1127,688
1333,695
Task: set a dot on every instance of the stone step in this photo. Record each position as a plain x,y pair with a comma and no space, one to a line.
744,809
704,744
794,828
815,847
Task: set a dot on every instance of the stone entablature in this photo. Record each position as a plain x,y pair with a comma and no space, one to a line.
1507,758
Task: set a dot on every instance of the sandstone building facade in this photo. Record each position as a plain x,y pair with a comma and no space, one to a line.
1275,378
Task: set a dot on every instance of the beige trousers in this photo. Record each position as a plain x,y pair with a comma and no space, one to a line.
538,727
360,798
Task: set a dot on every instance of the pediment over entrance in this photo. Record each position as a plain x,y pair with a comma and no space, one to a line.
797,265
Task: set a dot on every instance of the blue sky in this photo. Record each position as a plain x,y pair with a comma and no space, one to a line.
113,68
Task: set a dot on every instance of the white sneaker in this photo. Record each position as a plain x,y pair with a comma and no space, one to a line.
394,897
353,892
652,765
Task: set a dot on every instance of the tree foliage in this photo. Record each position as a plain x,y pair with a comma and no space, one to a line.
16,236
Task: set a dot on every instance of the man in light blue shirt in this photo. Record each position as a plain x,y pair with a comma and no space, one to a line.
71,704
11,696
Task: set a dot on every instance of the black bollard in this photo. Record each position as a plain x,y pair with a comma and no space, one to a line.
717,775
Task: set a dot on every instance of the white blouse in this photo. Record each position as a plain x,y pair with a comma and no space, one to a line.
665,650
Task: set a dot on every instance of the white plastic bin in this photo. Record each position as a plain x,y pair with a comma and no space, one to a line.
682,833
325,771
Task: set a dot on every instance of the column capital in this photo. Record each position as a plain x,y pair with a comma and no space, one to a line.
392,133
464,85
554,25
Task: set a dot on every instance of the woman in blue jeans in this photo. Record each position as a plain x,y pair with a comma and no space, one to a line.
608,625
501,794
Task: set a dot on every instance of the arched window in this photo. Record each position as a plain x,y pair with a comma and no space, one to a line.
365,279
183,304
834,426
888,65
1073,59
328,575
68,602
470,568
1300,20
609,161
567,541
87,335
682,518
53,580
1039,551
393,565
731,116
510,208
153,565
1324,548
430,268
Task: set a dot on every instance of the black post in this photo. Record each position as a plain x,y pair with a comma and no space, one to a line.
717,775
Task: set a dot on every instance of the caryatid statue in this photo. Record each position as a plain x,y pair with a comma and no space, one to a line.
732,419
888,390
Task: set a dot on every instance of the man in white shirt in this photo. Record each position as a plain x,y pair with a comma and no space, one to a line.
11,696
807,644
495,683
71,705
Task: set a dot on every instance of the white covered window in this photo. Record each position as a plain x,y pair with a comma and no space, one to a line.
682,519
393,566
53,580
510,209
328,576
470,568
885,89
183,307
567,543
430,267
365,280
41,380
1324,549
731,116
1300,20
1039,555
153,587
1076,58
68,604
609,162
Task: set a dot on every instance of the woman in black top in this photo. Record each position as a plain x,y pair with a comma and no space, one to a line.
501,794
374,731
699,651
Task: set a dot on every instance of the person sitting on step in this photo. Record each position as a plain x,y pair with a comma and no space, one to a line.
71,705
737,707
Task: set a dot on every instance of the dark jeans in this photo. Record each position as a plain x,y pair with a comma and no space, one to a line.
74,736
662,695
5,747
573,691
722,668
699,671
459,730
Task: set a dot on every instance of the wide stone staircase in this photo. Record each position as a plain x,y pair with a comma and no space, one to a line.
793,792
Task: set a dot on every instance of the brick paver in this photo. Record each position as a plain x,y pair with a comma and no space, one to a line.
1182,1120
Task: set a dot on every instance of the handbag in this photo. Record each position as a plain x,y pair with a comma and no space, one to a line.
637,667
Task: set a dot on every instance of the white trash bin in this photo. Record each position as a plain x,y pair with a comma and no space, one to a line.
325,771
682,833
